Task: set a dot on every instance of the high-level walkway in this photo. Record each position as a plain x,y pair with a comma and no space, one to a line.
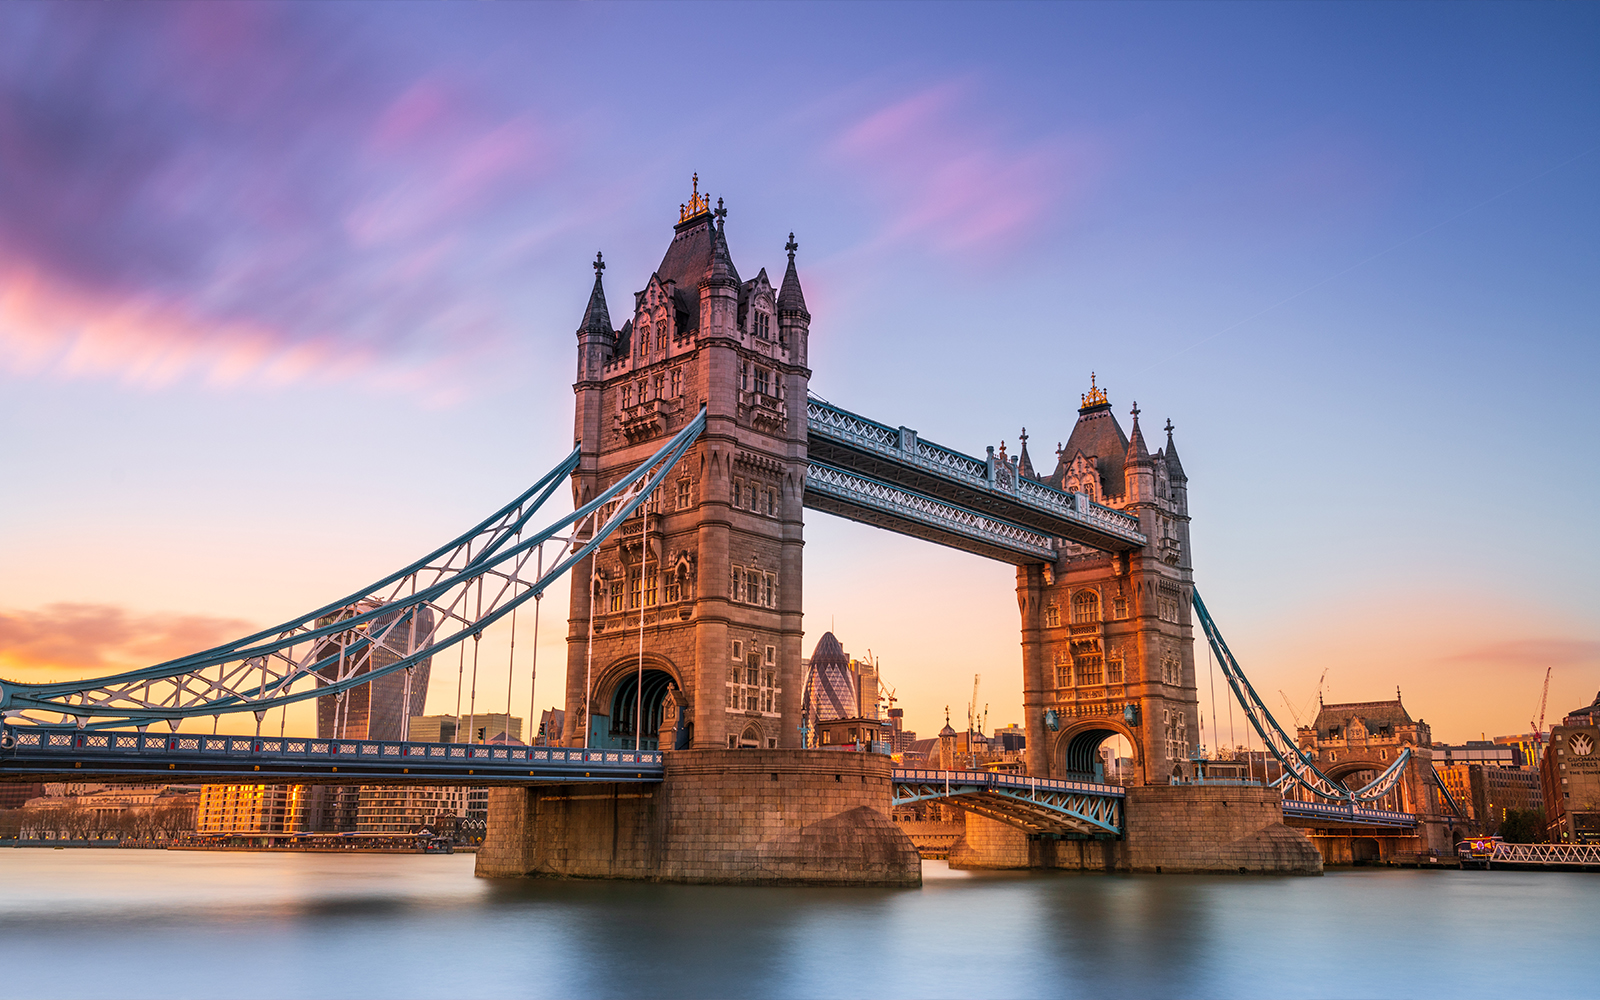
891,478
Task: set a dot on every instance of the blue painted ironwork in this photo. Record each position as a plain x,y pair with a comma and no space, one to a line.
1346,813
987,487
415,613
1038,805
1295,763
43,753
872,501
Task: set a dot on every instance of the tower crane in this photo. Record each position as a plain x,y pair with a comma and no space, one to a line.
1538,727
1290,705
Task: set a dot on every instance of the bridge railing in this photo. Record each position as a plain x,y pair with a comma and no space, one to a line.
74,744
1346,813
903,445
1547,854
867,492
999,779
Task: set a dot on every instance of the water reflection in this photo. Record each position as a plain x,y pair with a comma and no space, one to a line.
149,923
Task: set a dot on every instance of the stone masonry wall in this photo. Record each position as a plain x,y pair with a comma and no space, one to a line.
1215,828
748,816
989,843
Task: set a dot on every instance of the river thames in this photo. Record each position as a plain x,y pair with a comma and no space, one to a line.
115,923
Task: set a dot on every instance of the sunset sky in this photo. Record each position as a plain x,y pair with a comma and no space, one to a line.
288,293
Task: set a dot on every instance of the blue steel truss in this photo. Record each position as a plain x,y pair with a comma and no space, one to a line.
978,487
38,753
1296,764
1037,805
450,595
871,501
1345,814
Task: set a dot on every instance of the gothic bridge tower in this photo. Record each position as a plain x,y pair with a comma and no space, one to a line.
1108,645
711,569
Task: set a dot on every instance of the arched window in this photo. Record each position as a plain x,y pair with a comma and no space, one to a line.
1085,607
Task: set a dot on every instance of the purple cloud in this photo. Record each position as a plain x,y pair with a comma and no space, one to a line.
944,177
233,192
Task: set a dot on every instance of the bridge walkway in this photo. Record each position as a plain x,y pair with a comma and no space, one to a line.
891,478
35,753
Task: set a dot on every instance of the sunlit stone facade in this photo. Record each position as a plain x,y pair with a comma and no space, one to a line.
711,571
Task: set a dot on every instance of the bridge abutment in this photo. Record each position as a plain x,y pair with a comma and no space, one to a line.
760,817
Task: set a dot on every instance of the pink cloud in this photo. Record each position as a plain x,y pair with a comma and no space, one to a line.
104,638
943,177
1532,651
48,328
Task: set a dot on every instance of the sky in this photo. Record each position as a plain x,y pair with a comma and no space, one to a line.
288,297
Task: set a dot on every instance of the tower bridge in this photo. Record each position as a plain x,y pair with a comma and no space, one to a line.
698,448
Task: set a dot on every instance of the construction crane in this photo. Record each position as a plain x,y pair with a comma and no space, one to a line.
1290,705
1538,727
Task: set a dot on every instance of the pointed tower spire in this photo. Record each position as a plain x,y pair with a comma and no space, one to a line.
1138,454
721,269
790,298
1174,467
1027,463
596,318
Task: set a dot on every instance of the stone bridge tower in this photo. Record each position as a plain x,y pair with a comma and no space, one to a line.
712,566
1108,645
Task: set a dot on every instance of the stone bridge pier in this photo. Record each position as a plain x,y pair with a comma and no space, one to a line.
761,817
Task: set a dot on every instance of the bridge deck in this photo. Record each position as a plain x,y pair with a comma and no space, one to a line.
853,445
1332,814
1053,806
36,754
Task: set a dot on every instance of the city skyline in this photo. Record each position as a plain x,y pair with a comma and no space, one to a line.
1346,264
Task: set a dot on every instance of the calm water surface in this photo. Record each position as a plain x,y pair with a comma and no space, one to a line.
109,923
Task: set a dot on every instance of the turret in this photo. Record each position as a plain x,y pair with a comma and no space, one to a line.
794,322
596,339
1178,482
1139,469
719,289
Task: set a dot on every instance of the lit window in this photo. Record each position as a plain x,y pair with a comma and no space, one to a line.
674,588
660,385
1052,616
616,595
650,591
633,590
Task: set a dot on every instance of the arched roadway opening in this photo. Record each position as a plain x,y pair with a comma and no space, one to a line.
632,694
1077,750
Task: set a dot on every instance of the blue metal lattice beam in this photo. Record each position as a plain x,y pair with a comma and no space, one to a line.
1037,805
